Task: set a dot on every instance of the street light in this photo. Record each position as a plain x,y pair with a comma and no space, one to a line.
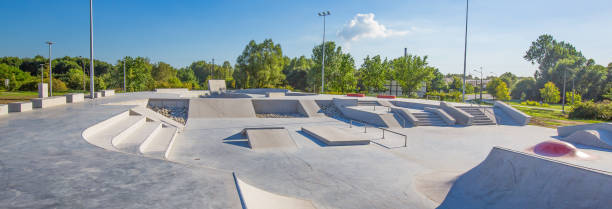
323,14
467,3
91,60
50,72
124,89
83,66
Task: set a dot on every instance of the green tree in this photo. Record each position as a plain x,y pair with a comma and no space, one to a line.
411,72
546,51
437,83
550,93
15,75
333,61
501,92
74,79
343,79
296,72
260,65
492,86
509,78
373,73
527,87
162,72
572,98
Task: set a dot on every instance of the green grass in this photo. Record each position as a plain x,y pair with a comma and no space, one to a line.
552,118
17,96
551,106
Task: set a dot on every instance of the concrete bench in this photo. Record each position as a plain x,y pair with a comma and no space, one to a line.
48,101
3,109
106,93
275,94
75,98
19,106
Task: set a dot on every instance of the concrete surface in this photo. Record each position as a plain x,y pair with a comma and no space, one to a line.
275,94
52,166
445,116
75,98
255,198
216,86
48,101
517,115
461,117
514,179
276,106
269,139
19,106
4,109
107,93
591,137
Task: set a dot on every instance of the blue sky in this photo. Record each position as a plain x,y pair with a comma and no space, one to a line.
180,32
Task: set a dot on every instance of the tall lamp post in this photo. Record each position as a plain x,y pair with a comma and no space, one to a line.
50,71
467,6
83,66
323,14
124,89
91,60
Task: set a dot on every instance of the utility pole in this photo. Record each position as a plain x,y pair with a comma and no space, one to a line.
323,14
467,6
91,59
50,71
212,69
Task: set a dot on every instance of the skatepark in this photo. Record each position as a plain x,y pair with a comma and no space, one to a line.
272,148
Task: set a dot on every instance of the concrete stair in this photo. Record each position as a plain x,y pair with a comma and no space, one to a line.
429,119
480,118
133,133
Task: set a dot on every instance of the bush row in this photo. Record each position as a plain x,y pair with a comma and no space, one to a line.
592,110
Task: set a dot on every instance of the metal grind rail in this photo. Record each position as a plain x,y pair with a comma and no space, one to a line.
365,130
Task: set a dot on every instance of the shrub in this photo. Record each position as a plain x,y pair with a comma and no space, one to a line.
591,110
545,105
32,85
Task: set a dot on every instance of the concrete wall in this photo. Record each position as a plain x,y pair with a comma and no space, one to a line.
20,106
568,130
43,90
171,90
216,86
445,116
259,91
517,115
406,114
309,108
158,102
75,98
345,102
413,105
221,108
106,93
226,95
299,94
461,117
48,101
277,106
275,94
513,179
360,115
3,109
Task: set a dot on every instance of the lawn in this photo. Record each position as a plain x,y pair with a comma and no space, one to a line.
552,118
551,106
16,96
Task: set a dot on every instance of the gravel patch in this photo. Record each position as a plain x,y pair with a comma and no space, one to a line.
178,114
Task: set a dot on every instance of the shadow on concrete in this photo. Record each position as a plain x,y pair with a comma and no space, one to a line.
313,139
238,140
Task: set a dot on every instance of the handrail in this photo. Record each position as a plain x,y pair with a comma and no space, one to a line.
365,130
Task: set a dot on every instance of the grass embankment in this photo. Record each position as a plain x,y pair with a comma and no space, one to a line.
17,96
551,118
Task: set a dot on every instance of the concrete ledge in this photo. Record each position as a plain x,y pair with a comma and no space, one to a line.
171,90
107,93
48,101
19,106
517,115
275,94
75,98
335,136
96,94
4,109
461,117
445,116
406,114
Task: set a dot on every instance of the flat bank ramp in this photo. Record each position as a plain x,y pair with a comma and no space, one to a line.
336,136
597,138
269,138
255,198
221,108
513,179
309,108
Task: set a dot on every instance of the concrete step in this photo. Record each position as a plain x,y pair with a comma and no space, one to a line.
160,145
131,143
104,136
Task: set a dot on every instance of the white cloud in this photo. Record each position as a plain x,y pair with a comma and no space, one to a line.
364,26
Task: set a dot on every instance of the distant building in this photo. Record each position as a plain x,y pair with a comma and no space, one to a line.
393,88
474,82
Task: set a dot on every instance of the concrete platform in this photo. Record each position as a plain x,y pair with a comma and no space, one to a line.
48,101
107,93
4,109
255,198
335,136
221,108
269,139
20,106
75,97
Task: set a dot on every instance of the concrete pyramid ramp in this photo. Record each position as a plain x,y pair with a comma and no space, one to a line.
255,198
269,138
512,179
221,108
596,138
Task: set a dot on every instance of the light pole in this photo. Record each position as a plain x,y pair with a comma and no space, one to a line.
563,103
212,69
323,14
467,6
83,66
42,73
50,71
91,60
124,89
480,82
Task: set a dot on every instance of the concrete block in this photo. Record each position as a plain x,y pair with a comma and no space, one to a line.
275,94
3,109
461,117
97,94
216,86
445,116
75,98
171,90
106,93
43,90
19,106
517,115
48,102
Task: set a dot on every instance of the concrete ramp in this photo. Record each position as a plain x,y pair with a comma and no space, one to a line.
513,179
309,108
255,198
335,136
269,138
221,108
596,138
